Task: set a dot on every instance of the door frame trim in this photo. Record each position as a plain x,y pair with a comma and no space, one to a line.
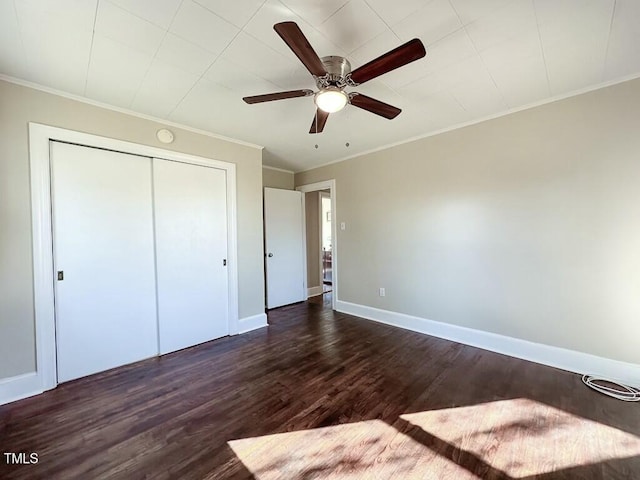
331,186
42,238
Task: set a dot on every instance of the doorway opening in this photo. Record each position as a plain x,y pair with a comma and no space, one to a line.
320,240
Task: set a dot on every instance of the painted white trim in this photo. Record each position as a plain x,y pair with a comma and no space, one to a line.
126,111
247,324
314,187
39,153
43,287
268,167
320,276
315,291
19,387
493,116
331,186
570,360
305,270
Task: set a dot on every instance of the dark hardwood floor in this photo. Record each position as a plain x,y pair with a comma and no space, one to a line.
460,412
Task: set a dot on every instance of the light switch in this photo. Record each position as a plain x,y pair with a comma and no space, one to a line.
343,226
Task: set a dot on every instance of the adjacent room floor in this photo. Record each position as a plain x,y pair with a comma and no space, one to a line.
321,394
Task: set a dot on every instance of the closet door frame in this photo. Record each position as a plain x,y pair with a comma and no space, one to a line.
40,137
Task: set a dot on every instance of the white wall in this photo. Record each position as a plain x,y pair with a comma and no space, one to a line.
20,105
527,225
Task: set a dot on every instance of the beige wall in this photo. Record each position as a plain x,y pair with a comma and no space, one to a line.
312,224
20,105
277,179
527,225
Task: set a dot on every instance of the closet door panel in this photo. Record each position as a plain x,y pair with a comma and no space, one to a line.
191,245
104,249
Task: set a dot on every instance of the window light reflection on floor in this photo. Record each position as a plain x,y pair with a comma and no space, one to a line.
353,451
523,438
512,438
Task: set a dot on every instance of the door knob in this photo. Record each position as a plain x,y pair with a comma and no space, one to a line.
270,255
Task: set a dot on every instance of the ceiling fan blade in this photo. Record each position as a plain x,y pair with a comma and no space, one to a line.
409,52
269,97
298,43
319,120
374,106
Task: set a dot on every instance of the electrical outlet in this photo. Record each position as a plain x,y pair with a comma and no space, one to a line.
382,292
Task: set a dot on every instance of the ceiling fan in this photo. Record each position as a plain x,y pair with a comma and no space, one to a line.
333,74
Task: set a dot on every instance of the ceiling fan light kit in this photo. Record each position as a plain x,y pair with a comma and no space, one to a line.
333,74
331,99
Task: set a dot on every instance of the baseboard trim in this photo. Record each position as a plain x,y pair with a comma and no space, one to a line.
565,359
314,291
19,387
254,322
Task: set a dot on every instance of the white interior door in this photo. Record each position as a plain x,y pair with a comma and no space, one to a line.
284,242
103,244
191,243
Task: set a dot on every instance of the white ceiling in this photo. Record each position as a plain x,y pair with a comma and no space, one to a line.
192,61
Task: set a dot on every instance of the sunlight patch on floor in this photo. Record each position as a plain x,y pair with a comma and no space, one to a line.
369,449
523,438
509,439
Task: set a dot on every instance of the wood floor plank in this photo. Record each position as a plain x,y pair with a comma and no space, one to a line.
312,369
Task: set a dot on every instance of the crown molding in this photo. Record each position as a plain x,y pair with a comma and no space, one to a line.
106,106
504,113
268,167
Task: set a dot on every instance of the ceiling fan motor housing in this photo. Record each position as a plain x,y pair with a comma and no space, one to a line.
337,70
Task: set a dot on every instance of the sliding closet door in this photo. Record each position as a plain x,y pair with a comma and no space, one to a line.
191,242
104,259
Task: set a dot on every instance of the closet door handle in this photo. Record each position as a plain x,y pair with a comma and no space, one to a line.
269,254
